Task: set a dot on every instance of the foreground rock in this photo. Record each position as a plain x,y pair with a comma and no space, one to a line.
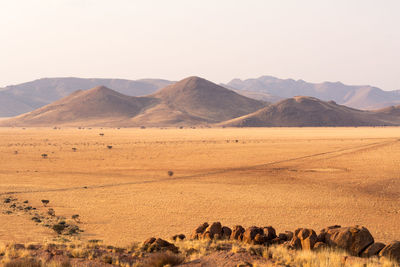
353,239
372,250
304,239
391,251
158,244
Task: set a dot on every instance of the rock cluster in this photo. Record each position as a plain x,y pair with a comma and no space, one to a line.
356,240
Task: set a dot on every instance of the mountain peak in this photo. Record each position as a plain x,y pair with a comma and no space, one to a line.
100,89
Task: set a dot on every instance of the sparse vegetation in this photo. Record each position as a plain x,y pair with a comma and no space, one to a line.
45,202
161,259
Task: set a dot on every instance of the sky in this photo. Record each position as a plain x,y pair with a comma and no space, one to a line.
352,41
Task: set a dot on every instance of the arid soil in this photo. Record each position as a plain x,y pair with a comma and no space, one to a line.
285,177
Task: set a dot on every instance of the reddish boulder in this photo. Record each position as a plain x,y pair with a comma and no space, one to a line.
199,231
250,234
213,231
391,251
352,239
237,233
269,233
372,250
226,232
160,245
286,236
321,236
304,239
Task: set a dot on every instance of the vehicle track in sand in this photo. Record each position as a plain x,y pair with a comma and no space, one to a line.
331,154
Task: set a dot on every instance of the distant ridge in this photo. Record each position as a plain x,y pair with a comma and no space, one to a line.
97,105
192,101
303,111
28,96
270,89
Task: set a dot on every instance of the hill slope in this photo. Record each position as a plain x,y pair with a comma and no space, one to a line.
191,101
44,91
201,98
361,97
308,111
91,107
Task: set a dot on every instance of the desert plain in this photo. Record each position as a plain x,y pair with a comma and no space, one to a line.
284,177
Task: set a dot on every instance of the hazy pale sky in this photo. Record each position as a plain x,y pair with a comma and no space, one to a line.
353,41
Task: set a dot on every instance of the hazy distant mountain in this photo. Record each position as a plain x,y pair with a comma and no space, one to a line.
308,111
361,97
11,105
191,101
28,96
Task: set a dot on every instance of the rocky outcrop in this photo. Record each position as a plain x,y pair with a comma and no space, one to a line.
356,240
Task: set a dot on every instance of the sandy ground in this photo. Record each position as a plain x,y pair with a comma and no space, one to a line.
284,177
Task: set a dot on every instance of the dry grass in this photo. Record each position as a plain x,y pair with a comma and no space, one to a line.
313,177
163,259
190,251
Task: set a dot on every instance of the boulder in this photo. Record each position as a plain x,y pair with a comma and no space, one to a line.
178,237
372,250
237,233
226,232
304,239
260,239
269,233
391,251
213,231
199,231
321,236
352,239
250,234
159,245
149,241
286,236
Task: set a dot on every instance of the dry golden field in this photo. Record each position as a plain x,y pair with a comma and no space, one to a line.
284,177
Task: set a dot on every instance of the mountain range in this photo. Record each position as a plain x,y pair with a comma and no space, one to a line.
302,111
195,101
26,97
270,89
191,101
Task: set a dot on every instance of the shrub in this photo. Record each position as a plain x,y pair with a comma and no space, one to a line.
45,202
170,173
